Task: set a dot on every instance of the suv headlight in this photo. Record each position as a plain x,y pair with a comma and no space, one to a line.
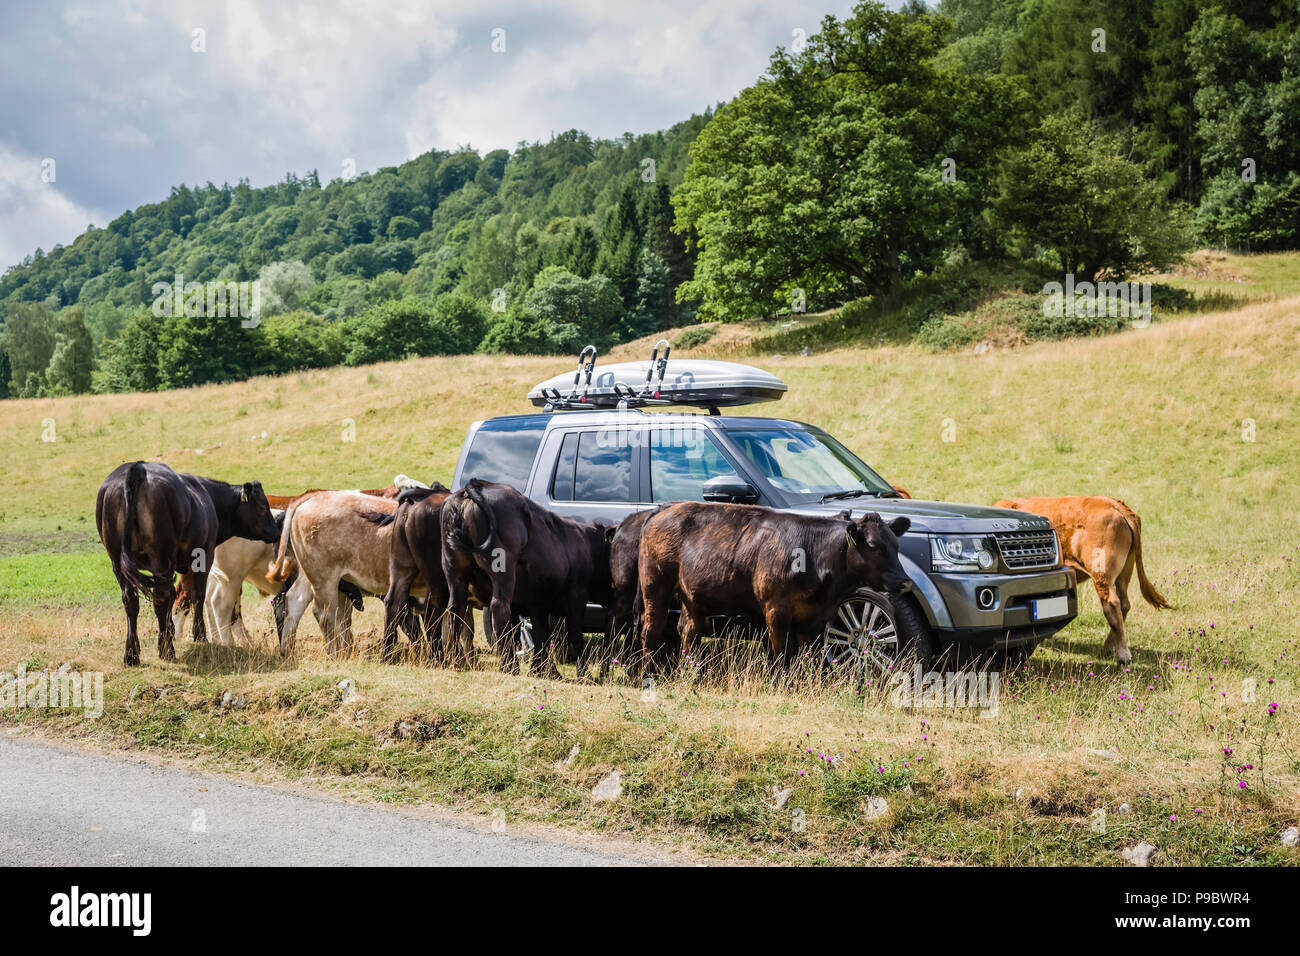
962,552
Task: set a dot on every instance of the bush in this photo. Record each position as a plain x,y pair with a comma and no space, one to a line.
694,337
298,340
396,329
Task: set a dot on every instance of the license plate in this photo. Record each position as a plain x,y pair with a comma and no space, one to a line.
1051,607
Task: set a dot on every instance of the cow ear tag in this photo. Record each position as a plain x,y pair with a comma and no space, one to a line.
848,533
243,495
609,535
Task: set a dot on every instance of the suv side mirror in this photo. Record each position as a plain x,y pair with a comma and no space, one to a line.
730,488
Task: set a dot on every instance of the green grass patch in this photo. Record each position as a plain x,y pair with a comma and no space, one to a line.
57,580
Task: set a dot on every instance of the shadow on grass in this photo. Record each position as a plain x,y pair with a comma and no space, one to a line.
209,658
1094,651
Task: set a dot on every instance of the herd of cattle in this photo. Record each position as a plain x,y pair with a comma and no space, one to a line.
433,554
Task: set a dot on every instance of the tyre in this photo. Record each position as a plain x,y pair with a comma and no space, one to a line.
870,635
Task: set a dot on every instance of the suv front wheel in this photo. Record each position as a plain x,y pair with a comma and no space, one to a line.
870,633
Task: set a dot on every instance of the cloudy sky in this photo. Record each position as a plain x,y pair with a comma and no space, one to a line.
118,95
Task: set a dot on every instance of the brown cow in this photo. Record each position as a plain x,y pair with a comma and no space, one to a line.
786,571
332,540
415,552
154,521
1101,538
514,555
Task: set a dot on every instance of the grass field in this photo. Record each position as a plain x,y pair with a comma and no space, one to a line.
1195,422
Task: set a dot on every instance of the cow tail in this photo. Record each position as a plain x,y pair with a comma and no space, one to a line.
135,477
474,490
1149,592
281,568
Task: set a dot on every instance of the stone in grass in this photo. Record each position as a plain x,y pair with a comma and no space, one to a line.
568,761
348,688
609,788
1123,809
1291,836
781,796
875,807
1139,855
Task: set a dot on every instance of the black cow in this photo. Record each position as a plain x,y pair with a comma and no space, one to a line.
415,551
513,555
154,522
787,572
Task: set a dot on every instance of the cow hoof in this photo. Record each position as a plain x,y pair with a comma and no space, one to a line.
130,661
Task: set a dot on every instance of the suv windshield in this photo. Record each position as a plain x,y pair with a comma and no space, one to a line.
806,464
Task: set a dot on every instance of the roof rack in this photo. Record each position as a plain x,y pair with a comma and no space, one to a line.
696,382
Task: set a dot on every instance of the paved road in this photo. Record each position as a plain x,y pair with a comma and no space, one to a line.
64,807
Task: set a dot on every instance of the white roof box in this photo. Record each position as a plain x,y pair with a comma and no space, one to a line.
703,383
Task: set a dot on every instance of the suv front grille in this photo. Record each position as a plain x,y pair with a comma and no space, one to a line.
1027,550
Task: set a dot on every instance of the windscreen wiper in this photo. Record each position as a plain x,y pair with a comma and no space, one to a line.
849,493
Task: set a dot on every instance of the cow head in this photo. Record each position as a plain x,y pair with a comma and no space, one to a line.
600,538
252,518
872,552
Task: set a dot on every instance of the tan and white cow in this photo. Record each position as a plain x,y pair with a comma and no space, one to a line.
331,539
1101,538
236,560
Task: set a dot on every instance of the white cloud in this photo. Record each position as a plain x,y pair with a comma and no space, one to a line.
34,213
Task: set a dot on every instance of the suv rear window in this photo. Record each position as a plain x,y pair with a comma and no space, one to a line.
503,450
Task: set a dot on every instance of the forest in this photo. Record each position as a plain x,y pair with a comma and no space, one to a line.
1099,139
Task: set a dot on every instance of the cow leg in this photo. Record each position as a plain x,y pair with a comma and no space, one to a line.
435,619
131,605
326,610
575,640
181,609
543,664
496,618
692,625
1115,644
200,596
395,609
296,601
778,635
345,627
1121,585
280,605
163,596
459,629
224,605
238,633
654,619
435,609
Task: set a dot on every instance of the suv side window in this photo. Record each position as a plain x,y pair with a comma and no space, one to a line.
593,466
681,461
